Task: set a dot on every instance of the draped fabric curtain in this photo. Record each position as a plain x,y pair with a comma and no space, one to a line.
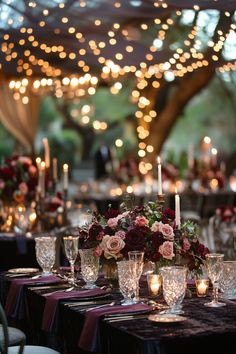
18,118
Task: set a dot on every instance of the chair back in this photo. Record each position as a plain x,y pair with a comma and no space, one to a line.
4,328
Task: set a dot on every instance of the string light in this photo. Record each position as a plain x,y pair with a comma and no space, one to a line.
150,72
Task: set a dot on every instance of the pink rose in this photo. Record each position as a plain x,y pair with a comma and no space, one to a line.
120,234
23,188
166,250
167,232
186,244
112,245
2,184
141,221
98,251
25,160
227,212
156,226
112,222
32,170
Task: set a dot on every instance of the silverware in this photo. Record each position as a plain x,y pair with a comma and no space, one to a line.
19,275
46,287
57,291
86,303
125,318
97,307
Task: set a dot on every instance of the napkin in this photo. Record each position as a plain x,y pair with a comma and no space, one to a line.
15,304
51,313
90,336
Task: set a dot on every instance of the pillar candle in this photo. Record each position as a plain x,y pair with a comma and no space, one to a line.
42,179
54,169
38,162
190,156
46,152
214,157
65,176
177,210
159,176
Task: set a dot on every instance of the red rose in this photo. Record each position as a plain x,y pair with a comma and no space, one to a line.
135,240
111,213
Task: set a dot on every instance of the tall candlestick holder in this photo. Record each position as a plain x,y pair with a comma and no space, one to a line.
65,199
160,202
54,186
178,235
40,209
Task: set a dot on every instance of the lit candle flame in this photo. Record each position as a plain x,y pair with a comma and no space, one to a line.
65,167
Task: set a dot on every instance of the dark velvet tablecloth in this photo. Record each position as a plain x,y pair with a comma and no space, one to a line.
206,330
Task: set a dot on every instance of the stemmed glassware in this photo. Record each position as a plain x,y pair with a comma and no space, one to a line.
174,286
127,281
71,250
214,265
45,253
137,257
89,267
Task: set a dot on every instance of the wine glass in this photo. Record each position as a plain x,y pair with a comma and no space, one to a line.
89,267
45,253
71,250
174,286
214,265
127,281
137,257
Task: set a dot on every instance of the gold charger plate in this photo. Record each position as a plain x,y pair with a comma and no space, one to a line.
23,270
167,318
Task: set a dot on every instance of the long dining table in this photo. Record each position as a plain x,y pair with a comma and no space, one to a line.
204,330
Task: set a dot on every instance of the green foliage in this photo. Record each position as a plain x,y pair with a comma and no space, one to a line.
7,143
65,146
211,113
48,113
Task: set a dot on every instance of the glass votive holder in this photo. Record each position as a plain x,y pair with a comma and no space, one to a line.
154,284
202,286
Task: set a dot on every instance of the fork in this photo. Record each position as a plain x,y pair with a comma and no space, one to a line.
57,291
99,306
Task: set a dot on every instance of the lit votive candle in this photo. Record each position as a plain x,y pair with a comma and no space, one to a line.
202,286
154,284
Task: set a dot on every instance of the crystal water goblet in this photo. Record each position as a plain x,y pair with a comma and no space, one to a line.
89,267
71,245
228,280
174,286
126,280
214,266
137,257
45,248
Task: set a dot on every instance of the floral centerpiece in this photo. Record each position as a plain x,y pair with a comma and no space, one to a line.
226,214
144,228
18,179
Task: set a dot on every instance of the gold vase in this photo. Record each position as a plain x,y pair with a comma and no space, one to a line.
110,270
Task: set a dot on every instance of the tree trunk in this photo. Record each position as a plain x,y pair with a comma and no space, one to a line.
187,88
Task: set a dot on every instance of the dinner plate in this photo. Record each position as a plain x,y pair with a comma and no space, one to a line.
23,270
167,318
